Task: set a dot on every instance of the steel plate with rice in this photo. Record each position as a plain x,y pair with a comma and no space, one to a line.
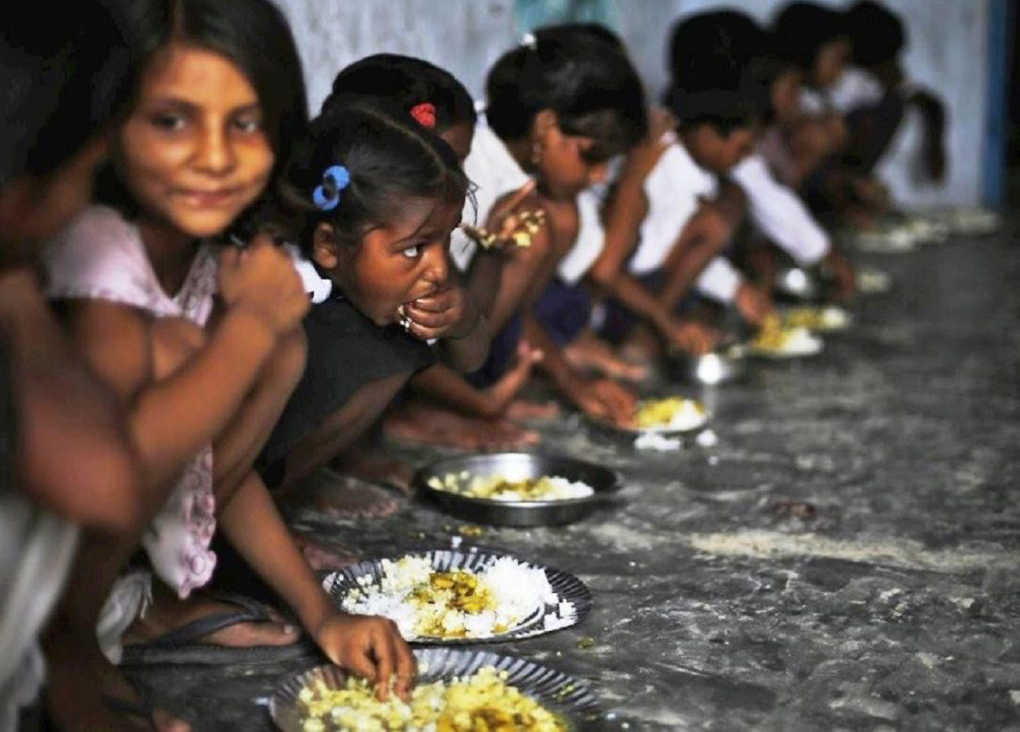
576,488
454,597
570,701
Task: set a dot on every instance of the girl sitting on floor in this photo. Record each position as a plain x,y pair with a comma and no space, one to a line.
219,102
387,194
447,409
66,460
558,108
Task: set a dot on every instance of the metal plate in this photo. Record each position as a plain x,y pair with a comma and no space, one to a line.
632,434
569,697
798,283
816,348
709,369
517,466
565,585
829,318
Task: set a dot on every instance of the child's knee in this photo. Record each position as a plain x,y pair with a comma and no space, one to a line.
174,342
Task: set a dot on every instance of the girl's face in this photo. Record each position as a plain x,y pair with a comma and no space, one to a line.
395,264
459,137
720,152
830,61
561,163
785,95
194,153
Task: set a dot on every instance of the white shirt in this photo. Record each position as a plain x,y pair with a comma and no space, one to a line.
854,88
494,172
674,190
779,213
36,550
813,101
720,280
590,239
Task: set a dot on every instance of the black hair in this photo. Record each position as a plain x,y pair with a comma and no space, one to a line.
711,57
66,69
713,49
577,71
389,158
802,28
252,34
406,82
877,35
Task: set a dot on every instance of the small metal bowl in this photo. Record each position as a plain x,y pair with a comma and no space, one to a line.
715,367
798,283
517,466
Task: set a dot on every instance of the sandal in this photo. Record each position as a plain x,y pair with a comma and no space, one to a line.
183,644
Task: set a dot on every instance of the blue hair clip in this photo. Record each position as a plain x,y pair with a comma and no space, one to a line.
326,196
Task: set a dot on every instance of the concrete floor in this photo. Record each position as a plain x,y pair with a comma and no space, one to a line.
891,602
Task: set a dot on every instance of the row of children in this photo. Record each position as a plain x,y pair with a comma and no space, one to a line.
245,293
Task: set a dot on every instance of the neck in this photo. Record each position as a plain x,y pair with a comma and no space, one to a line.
170,250
520,150
689,138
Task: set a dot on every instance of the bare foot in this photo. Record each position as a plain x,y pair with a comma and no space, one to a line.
589,351
168,613
86,692
372,466
325,556
340,496
505,389
422,423
521,409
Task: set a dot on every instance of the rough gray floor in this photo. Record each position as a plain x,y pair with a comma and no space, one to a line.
896,605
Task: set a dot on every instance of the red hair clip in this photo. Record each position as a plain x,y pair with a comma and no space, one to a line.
424,114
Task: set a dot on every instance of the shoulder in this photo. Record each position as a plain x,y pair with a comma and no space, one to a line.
100,255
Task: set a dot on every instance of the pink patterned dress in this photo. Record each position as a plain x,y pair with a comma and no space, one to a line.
101,256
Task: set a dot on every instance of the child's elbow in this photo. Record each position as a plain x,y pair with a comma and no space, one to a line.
602,275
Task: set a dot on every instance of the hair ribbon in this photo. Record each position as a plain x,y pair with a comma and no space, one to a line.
424,114
326,195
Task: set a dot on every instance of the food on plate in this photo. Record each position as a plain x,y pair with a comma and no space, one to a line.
479,701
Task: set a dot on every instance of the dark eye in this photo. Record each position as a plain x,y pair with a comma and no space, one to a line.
169,121
248,124
412,252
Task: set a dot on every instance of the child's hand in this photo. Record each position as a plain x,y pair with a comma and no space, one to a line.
449,312
693,337
261,279
604,399
752,303
842,273
507,226
370,647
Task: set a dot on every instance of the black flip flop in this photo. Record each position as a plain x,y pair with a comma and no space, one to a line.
182,645
142,709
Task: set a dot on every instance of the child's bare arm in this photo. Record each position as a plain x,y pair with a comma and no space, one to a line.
517,275
450,388
74,454
445,385
600,398
172,418
369,646
704,236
